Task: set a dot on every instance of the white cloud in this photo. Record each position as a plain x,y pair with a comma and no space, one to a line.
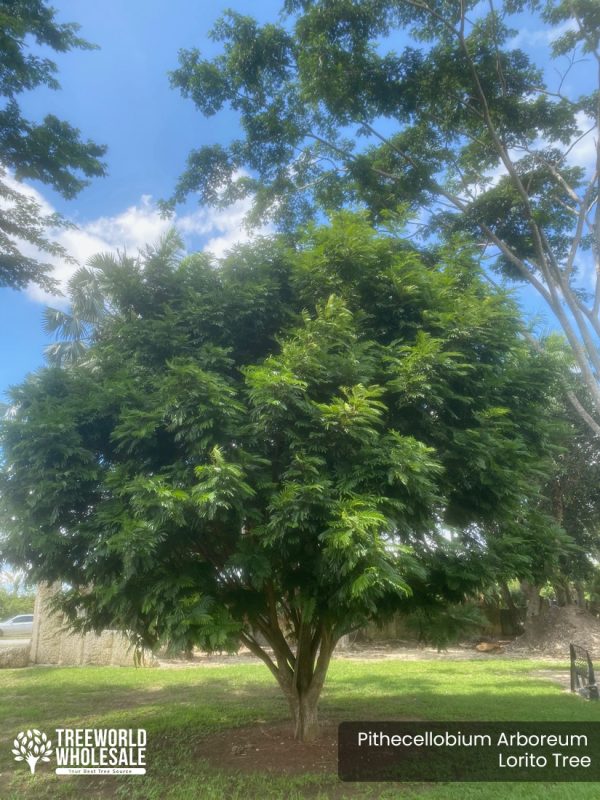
225,227
541,37
214,230
80,244
133,228
26,190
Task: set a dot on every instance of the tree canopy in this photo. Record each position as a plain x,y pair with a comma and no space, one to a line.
430,108
51,151
275,448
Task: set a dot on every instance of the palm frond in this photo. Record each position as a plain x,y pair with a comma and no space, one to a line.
65,354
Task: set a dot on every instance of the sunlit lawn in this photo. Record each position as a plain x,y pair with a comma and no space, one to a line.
178,707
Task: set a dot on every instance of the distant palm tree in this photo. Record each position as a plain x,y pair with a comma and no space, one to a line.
88,294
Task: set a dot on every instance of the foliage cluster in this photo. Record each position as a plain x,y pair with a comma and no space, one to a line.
282,445
429,106
50,151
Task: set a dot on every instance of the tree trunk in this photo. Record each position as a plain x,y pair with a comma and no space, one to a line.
532,595
304,708
569,594
561,594
507,596
300,674
313,653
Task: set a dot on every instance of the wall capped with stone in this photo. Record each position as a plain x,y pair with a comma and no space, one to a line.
52,643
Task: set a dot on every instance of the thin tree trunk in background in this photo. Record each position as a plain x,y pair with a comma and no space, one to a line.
533,599
562,598
507,596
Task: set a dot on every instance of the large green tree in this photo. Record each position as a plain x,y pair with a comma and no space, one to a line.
269,450
51,151
430,106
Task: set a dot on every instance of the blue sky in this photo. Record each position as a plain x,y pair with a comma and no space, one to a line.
120,96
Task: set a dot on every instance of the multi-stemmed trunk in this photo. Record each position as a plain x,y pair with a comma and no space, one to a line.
304,684
300,669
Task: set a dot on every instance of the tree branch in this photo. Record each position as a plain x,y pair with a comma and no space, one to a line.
588,419
257,650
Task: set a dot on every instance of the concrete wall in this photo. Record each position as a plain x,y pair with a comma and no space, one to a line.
51,643
17,656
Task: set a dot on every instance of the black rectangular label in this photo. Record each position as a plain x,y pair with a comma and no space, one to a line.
469,751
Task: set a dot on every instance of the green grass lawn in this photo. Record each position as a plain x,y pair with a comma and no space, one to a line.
178,707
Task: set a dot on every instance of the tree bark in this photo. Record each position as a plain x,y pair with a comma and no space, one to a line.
300,674
304,708
313,654
507,596
532,595
566,594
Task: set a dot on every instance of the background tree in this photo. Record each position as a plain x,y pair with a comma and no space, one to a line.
51,151
459,128
272,447
13,603
571,497
573,491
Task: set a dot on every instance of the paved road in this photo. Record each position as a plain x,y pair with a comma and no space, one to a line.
6,642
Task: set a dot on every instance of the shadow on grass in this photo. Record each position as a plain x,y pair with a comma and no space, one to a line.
203,701
179,708
46,693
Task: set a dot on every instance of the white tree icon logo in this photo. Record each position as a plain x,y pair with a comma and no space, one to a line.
32,746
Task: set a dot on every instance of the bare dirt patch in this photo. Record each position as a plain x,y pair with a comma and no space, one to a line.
551,633
200,659
562,678
364,651
409,651
271,748
393,650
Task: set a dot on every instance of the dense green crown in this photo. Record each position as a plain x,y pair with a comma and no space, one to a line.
289,425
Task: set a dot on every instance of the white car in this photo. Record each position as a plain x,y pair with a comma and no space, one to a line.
21,625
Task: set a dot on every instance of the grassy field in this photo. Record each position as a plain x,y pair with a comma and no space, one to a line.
180,707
